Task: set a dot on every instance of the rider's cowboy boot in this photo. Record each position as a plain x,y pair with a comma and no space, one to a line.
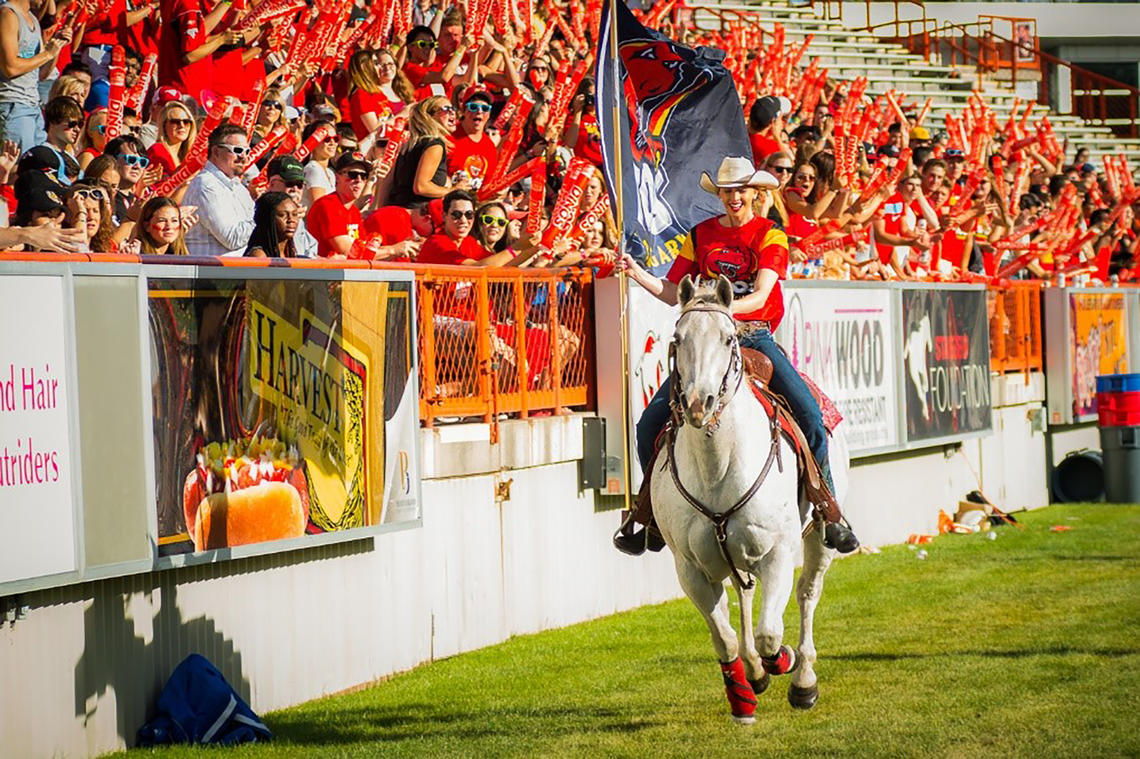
630,540
837,534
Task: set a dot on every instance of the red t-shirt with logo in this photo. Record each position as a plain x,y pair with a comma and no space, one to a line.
328,218
111,28
477,158
739,253
392,224
589,144
183,32
360,103
892,213
441,249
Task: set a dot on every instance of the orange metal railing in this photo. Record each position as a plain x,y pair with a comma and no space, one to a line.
1015,327
495,341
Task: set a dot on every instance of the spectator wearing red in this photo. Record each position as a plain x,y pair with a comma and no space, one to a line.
111,28
94,137
335,220
454,246
176,133
188,43
582,131
474,152
896,228
420,172
400,229
420,48
766,126
367,104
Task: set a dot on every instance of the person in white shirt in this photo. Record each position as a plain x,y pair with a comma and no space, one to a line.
225,208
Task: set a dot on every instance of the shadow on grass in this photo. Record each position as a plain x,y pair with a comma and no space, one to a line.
425,721
1019,653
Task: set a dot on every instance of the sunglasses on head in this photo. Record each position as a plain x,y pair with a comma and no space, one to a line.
179,122
488,220
459,215
93,193
478,107
136,160
238,151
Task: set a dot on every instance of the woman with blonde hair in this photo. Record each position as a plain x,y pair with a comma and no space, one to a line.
176,133
71,86
377,87
420,173
94,137
271,114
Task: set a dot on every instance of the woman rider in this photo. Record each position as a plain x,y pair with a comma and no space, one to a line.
752,252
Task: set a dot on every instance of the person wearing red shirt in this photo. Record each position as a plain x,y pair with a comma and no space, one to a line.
582,131
474,153
334,220
188,44
766,127
454,246
896,227
751,252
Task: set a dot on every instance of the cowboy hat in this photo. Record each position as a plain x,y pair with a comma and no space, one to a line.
736,171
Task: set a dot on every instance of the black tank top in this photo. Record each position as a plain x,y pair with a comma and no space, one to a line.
404,173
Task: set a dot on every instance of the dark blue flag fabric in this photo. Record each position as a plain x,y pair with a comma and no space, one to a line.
678,115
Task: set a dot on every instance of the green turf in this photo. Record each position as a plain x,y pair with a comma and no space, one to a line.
1021,646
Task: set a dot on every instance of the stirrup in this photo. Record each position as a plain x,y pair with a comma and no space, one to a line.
840,537
634,542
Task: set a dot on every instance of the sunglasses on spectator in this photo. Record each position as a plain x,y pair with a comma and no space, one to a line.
459,215
540,69
238,151
136,160
782,169
445,109
92,194
425,44
357,175
488,220
73,123
179,122
295,185
271,104
478,107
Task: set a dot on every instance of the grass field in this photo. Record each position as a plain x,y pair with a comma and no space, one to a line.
1021,646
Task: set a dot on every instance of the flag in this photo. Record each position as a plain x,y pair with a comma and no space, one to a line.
677,114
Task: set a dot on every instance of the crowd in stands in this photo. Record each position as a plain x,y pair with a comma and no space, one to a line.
467,134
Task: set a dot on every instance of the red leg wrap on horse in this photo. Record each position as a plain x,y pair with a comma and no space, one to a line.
780,664
736,687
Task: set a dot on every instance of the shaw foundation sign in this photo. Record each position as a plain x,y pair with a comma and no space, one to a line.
946,352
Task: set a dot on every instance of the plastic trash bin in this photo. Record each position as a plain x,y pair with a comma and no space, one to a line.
1120,449
1079,477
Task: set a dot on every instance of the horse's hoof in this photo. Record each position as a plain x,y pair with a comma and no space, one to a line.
744,720
760,684
803,698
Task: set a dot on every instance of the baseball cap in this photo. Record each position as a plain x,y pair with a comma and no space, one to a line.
164,95
1088,168
287,167
765,110
352,160
479,93
41,200
44,162
920,133
891,151
954,154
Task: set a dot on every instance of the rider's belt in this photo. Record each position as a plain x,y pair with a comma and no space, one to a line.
758,325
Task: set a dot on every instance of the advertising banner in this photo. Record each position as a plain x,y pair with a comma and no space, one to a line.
946,356
36,498
843,339
1098,344
282,408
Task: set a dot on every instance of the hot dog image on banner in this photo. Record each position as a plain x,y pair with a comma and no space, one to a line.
843,339
274,402
946,356
679,114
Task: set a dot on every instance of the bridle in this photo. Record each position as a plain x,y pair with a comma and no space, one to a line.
724,395
736,366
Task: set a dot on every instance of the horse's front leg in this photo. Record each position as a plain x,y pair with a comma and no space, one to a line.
804,690
777,571
757,677
712,602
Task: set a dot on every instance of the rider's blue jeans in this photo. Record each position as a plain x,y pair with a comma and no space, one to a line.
786,381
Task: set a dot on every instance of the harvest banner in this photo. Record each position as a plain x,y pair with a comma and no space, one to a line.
946,352
1098,344
282,408
844,340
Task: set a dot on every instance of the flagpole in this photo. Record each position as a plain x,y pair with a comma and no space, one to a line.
623,278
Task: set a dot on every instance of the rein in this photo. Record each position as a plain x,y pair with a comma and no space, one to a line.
719,520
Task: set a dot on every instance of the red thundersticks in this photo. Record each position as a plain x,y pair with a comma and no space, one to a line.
118,78
137,94
196,157
537,197
319,135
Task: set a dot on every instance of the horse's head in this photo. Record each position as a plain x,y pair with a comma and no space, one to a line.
705,349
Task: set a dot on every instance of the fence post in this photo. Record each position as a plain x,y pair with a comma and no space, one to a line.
483,343
522,361
429,385
555,344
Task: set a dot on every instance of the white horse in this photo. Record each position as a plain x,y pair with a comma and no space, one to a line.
724,455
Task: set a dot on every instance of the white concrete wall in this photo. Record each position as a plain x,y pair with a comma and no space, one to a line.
78,674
